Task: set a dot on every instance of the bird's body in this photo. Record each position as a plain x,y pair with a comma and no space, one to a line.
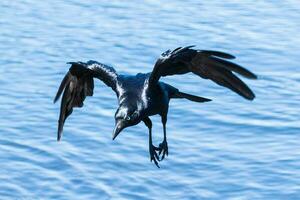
133,92
143,95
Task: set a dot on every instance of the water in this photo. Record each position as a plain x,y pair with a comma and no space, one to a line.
225,149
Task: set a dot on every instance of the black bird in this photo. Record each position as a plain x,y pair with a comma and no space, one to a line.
143,95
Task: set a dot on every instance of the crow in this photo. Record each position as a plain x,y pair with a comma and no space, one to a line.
143,95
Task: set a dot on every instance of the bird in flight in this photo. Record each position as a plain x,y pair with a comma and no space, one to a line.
143,95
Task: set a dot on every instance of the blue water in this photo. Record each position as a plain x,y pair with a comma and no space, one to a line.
229,148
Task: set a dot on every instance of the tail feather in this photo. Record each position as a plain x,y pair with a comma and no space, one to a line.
190,97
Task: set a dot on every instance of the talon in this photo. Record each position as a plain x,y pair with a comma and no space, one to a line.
160,148
156,156
163,149
156,148
156,163
153,155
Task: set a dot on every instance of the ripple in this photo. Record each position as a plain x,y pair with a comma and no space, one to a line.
225,149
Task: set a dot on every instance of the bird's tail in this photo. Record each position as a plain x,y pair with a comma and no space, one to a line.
180,95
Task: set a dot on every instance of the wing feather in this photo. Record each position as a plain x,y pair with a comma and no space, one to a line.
78,83
206,64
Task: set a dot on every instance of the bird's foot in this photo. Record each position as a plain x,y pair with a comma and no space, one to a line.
153,154
163,148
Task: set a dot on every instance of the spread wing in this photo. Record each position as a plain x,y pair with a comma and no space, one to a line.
213,65
78,83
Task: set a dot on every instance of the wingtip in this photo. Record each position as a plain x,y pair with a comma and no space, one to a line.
55,99
231,57
190,46
250,75
218,54
59,131
58,137
254,76
250,96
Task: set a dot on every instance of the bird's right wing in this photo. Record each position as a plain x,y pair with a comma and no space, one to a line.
78,83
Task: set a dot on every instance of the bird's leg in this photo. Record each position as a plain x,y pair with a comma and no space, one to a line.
152,148
163,147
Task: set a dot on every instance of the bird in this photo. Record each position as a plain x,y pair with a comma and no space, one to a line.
144,94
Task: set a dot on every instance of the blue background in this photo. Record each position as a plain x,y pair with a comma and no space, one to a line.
229,148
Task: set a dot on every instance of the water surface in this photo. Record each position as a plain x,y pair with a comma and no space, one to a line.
229,148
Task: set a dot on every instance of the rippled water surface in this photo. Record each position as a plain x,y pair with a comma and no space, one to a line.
229,148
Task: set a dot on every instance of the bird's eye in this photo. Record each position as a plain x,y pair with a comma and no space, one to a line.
127,118
134,115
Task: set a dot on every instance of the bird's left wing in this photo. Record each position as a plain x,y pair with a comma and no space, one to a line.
211,65
78,83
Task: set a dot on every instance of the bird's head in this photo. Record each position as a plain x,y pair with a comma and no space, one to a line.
125,117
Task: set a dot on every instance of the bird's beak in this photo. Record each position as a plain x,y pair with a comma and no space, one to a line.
118,128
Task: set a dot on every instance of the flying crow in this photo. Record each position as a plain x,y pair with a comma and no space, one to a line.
143,95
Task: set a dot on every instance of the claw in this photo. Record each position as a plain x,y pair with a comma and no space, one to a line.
163,148
155,162
156,156
160,149
165,153
153,155
156,148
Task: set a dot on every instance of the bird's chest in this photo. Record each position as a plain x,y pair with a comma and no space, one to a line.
137,94
155,101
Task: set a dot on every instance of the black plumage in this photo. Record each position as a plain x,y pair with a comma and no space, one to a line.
143,95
